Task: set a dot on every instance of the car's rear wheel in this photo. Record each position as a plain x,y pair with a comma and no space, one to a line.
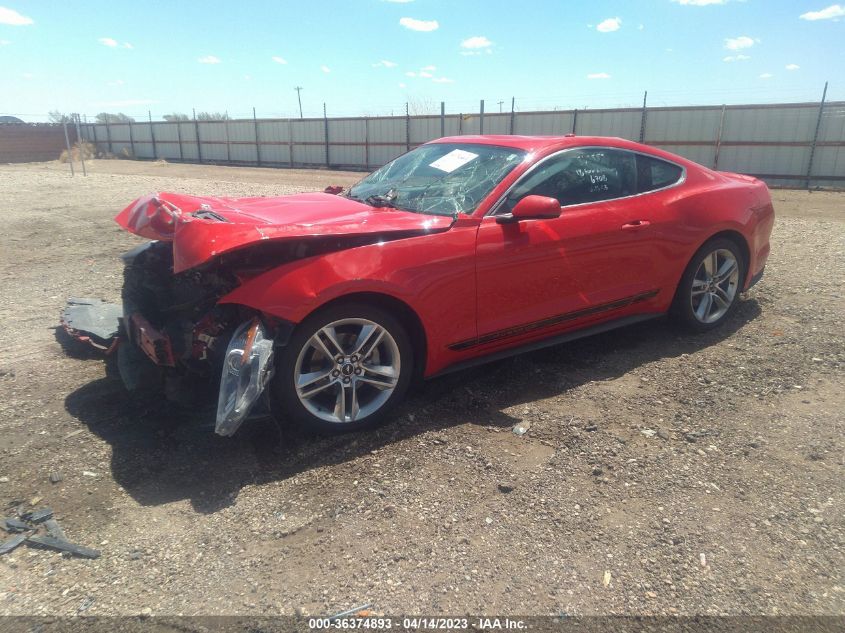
343,369
710,287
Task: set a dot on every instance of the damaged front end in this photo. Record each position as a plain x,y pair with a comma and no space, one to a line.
178,330
171,335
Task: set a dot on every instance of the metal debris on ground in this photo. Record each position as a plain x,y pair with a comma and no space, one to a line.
54,529
38,516
14,525
11,543
56,477
25,529
63,546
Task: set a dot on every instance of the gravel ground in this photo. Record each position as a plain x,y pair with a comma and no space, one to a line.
659,473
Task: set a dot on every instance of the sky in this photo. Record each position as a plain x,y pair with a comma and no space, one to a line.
371,57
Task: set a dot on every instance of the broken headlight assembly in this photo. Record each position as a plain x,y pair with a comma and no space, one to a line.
247,368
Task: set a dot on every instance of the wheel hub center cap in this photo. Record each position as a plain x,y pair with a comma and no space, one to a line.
347,369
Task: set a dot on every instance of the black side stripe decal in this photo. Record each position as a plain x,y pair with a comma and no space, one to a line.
555,320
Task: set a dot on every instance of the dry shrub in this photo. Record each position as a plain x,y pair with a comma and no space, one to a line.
86,150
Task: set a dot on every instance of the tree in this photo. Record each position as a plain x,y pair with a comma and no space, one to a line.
212,116
176,116
108,117
54,116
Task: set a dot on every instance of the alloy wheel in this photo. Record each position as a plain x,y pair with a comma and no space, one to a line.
347,370
714,286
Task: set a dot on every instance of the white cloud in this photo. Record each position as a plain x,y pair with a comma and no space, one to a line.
279,60
598,76
736,58
116,82
766,76
792,66
325,68
476,41
443,80
385,64
107,41
27,75
609,25
828,13
13,18
402,86
425,74
640,27
127,45
700,3
429,68
738,43
209,59
419,25
410,73
4,42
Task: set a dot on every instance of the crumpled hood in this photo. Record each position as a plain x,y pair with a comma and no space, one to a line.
203,227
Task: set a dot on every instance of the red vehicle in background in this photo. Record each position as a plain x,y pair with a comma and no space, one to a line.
463,250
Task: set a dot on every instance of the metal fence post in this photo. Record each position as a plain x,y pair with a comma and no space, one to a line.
197,133
228,147
574,120
79,145
643,117
719,138
367,142
67,144
816,136
152,135
481,117
442,119
513,115
179,136
108,135
257,144
460,124
326,132
131,139
407,127
290,142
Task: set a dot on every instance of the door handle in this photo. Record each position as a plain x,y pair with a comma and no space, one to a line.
635,224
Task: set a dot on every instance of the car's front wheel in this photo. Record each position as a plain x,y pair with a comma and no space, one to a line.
710,287
343,369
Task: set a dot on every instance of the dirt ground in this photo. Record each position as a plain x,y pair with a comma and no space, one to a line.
660,474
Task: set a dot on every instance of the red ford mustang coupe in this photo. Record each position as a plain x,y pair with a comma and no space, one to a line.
325,307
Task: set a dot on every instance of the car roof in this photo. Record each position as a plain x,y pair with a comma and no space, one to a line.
546,144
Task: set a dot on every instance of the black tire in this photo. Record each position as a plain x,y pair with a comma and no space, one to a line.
286,402
683,310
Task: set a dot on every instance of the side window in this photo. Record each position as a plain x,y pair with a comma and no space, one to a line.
653,173
580,176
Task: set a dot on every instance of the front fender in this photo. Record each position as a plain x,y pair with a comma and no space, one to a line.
433,274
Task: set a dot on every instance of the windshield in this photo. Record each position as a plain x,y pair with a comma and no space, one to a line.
441,179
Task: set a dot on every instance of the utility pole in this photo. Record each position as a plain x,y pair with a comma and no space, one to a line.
299,98
500,106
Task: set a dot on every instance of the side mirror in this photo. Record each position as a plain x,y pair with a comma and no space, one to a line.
532,208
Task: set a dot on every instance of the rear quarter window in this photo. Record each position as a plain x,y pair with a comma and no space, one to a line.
653,173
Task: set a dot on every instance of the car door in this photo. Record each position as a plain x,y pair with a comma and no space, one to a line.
587,264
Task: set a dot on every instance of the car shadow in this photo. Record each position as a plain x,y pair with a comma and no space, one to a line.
161,454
